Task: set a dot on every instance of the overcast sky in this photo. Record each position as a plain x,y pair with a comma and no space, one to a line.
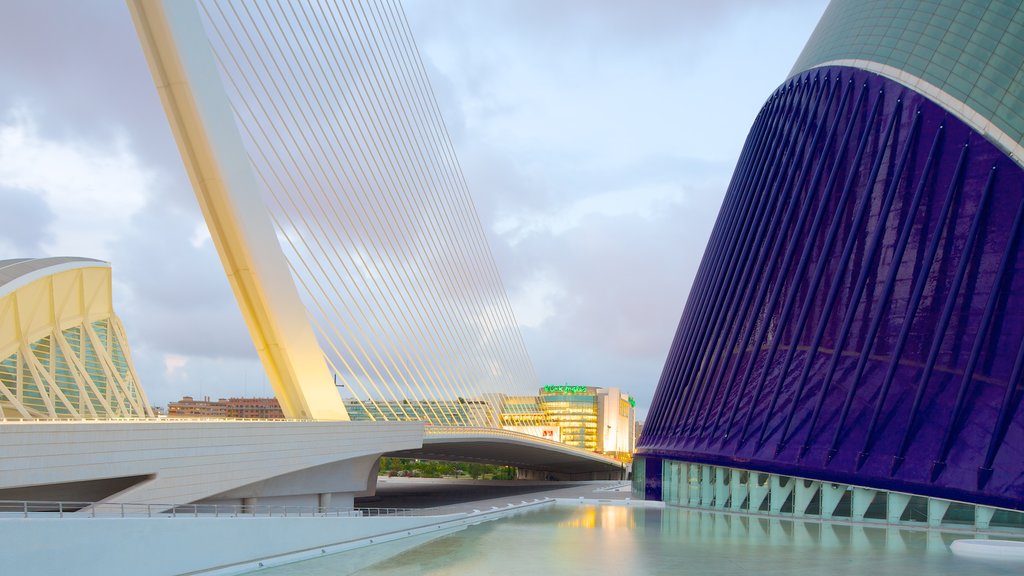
598,138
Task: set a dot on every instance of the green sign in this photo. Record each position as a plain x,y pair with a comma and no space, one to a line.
632,402
566,389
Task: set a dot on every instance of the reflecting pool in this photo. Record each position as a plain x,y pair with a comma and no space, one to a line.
616,539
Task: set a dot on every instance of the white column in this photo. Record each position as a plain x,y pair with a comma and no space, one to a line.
831,494
721,488
936,510
804,494
758,491
779,493
983,517
895,505
862,498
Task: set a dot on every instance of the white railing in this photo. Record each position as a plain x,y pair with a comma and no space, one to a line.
106,420
62,509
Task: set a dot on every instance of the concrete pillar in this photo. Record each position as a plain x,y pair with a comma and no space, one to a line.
684,483
677,481
670,492
983,517
936,510
706,487
721,488
805,492
862,498
779,492
693,483
831,494
895,505
738,490
323,501
248,505
758,492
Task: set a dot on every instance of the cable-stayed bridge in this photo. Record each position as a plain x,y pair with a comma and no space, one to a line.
333,193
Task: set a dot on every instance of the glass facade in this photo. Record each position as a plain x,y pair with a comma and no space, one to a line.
576,417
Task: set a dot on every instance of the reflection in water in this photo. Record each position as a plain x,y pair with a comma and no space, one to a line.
616,539
606,517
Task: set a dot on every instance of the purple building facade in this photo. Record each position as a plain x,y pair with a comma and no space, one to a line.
858,317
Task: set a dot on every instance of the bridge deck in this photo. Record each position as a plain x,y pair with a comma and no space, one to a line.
508,448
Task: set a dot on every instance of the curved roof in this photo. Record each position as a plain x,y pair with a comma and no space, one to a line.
966,55
869,334
17,272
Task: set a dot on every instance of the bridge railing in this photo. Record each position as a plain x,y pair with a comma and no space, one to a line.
165,419
68,509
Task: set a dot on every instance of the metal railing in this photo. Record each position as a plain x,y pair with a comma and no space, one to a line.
156,419
62,509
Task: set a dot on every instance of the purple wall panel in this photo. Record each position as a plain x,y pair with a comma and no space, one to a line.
867,265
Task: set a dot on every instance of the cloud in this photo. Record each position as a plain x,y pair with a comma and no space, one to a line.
25,234
644,203
92,189
174,366
537,299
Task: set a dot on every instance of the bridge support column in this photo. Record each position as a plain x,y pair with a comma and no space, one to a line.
323,501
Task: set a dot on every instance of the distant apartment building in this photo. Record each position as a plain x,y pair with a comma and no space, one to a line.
262,408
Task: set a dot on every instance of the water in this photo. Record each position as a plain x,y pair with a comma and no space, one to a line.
615,539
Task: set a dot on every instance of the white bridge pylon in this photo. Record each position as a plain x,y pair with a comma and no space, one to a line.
202,121
338,207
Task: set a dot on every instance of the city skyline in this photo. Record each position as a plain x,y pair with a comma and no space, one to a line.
582,197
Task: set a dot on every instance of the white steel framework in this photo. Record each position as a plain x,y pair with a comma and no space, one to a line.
63,351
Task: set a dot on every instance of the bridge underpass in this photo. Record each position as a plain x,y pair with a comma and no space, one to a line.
536,458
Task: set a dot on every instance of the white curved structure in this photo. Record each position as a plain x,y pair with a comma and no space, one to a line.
63,351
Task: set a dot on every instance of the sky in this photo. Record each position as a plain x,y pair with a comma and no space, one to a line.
598,138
